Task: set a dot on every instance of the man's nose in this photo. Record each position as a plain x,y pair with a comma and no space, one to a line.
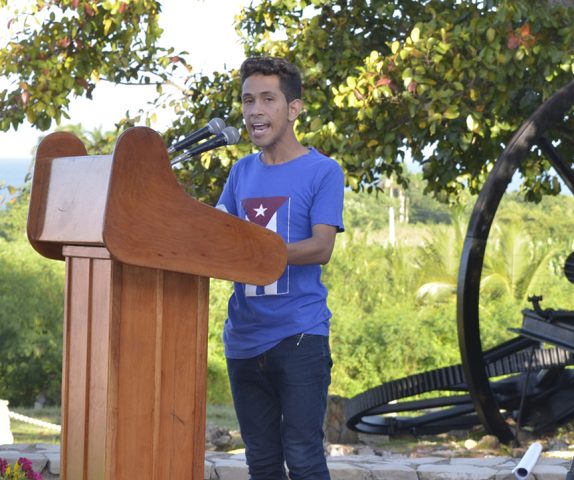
256,107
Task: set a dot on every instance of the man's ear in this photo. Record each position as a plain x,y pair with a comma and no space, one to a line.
295,108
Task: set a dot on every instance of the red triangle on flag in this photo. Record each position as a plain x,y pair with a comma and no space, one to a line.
261,210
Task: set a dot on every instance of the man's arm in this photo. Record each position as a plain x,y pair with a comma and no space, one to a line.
314,250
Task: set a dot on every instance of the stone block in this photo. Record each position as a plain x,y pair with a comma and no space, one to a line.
420,460
506,475
209,471
355,459
53,462
47,448
347,471
231,469
455,472
555,460
389,471
549,472
484,462
336,430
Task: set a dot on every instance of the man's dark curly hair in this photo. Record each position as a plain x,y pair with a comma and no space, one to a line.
289,76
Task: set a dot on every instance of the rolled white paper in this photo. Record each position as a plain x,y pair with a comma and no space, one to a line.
527,462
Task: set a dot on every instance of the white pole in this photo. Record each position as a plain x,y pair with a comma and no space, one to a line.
392,239
528,461
6,436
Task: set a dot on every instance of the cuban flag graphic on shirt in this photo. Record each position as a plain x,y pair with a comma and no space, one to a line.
273,214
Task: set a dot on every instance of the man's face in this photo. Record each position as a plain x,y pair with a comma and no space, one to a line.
268,117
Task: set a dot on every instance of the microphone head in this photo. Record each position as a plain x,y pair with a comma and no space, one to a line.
231,135
216,125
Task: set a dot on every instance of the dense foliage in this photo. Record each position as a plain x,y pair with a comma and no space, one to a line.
393,306
448,81
31,312
56,49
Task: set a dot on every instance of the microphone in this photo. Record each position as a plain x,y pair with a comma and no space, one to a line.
228,136
214,127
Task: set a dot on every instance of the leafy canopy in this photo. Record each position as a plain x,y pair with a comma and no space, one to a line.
448,81
59,48
457,76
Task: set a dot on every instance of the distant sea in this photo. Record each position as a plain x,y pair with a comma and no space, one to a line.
13,170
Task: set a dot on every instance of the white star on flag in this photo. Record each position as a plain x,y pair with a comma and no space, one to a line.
260,211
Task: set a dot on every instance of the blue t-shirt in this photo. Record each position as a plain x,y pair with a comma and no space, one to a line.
288,198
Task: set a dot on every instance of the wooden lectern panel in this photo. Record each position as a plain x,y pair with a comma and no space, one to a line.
55,145
75,204
135,370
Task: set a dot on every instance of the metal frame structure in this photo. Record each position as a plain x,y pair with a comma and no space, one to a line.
472,397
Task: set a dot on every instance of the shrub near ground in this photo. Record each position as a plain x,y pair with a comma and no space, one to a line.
31,299
383,328
379,332
31,311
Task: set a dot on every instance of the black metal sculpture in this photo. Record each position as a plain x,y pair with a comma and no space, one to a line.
541,401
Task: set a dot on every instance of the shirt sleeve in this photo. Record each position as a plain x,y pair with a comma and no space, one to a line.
227,201
327,206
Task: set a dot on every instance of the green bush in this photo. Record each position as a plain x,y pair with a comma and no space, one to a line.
217,383
31,322
383,328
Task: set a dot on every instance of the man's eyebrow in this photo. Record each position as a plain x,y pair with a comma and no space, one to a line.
266,92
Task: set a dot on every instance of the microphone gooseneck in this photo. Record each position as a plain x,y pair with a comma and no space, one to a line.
227,136
214,127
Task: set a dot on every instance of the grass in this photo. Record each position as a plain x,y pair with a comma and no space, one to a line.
27,433
220,415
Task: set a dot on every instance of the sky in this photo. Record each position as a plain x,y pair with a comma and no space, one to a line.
204,28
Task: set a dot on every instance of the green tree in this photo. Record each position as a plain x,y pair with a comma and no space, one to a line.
56,49
31,300
439,259
450,81
513,265
513,261
7,195
459,76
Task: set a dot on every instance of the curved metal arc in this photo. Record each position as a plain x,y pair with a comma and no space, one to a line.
561,167
455,418
374,407
472,258
363,410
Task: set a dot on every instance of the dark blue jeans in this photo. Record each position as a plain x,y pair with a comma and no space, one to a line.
280,399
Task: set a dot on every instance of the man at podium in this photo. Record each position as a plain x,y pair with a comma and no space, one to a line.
277,336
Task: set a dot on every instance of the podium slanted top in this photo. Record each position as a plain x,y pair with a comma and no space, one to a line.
131,203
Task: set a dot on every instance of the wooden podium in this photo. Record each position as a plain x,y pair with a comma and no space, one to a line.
139,252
